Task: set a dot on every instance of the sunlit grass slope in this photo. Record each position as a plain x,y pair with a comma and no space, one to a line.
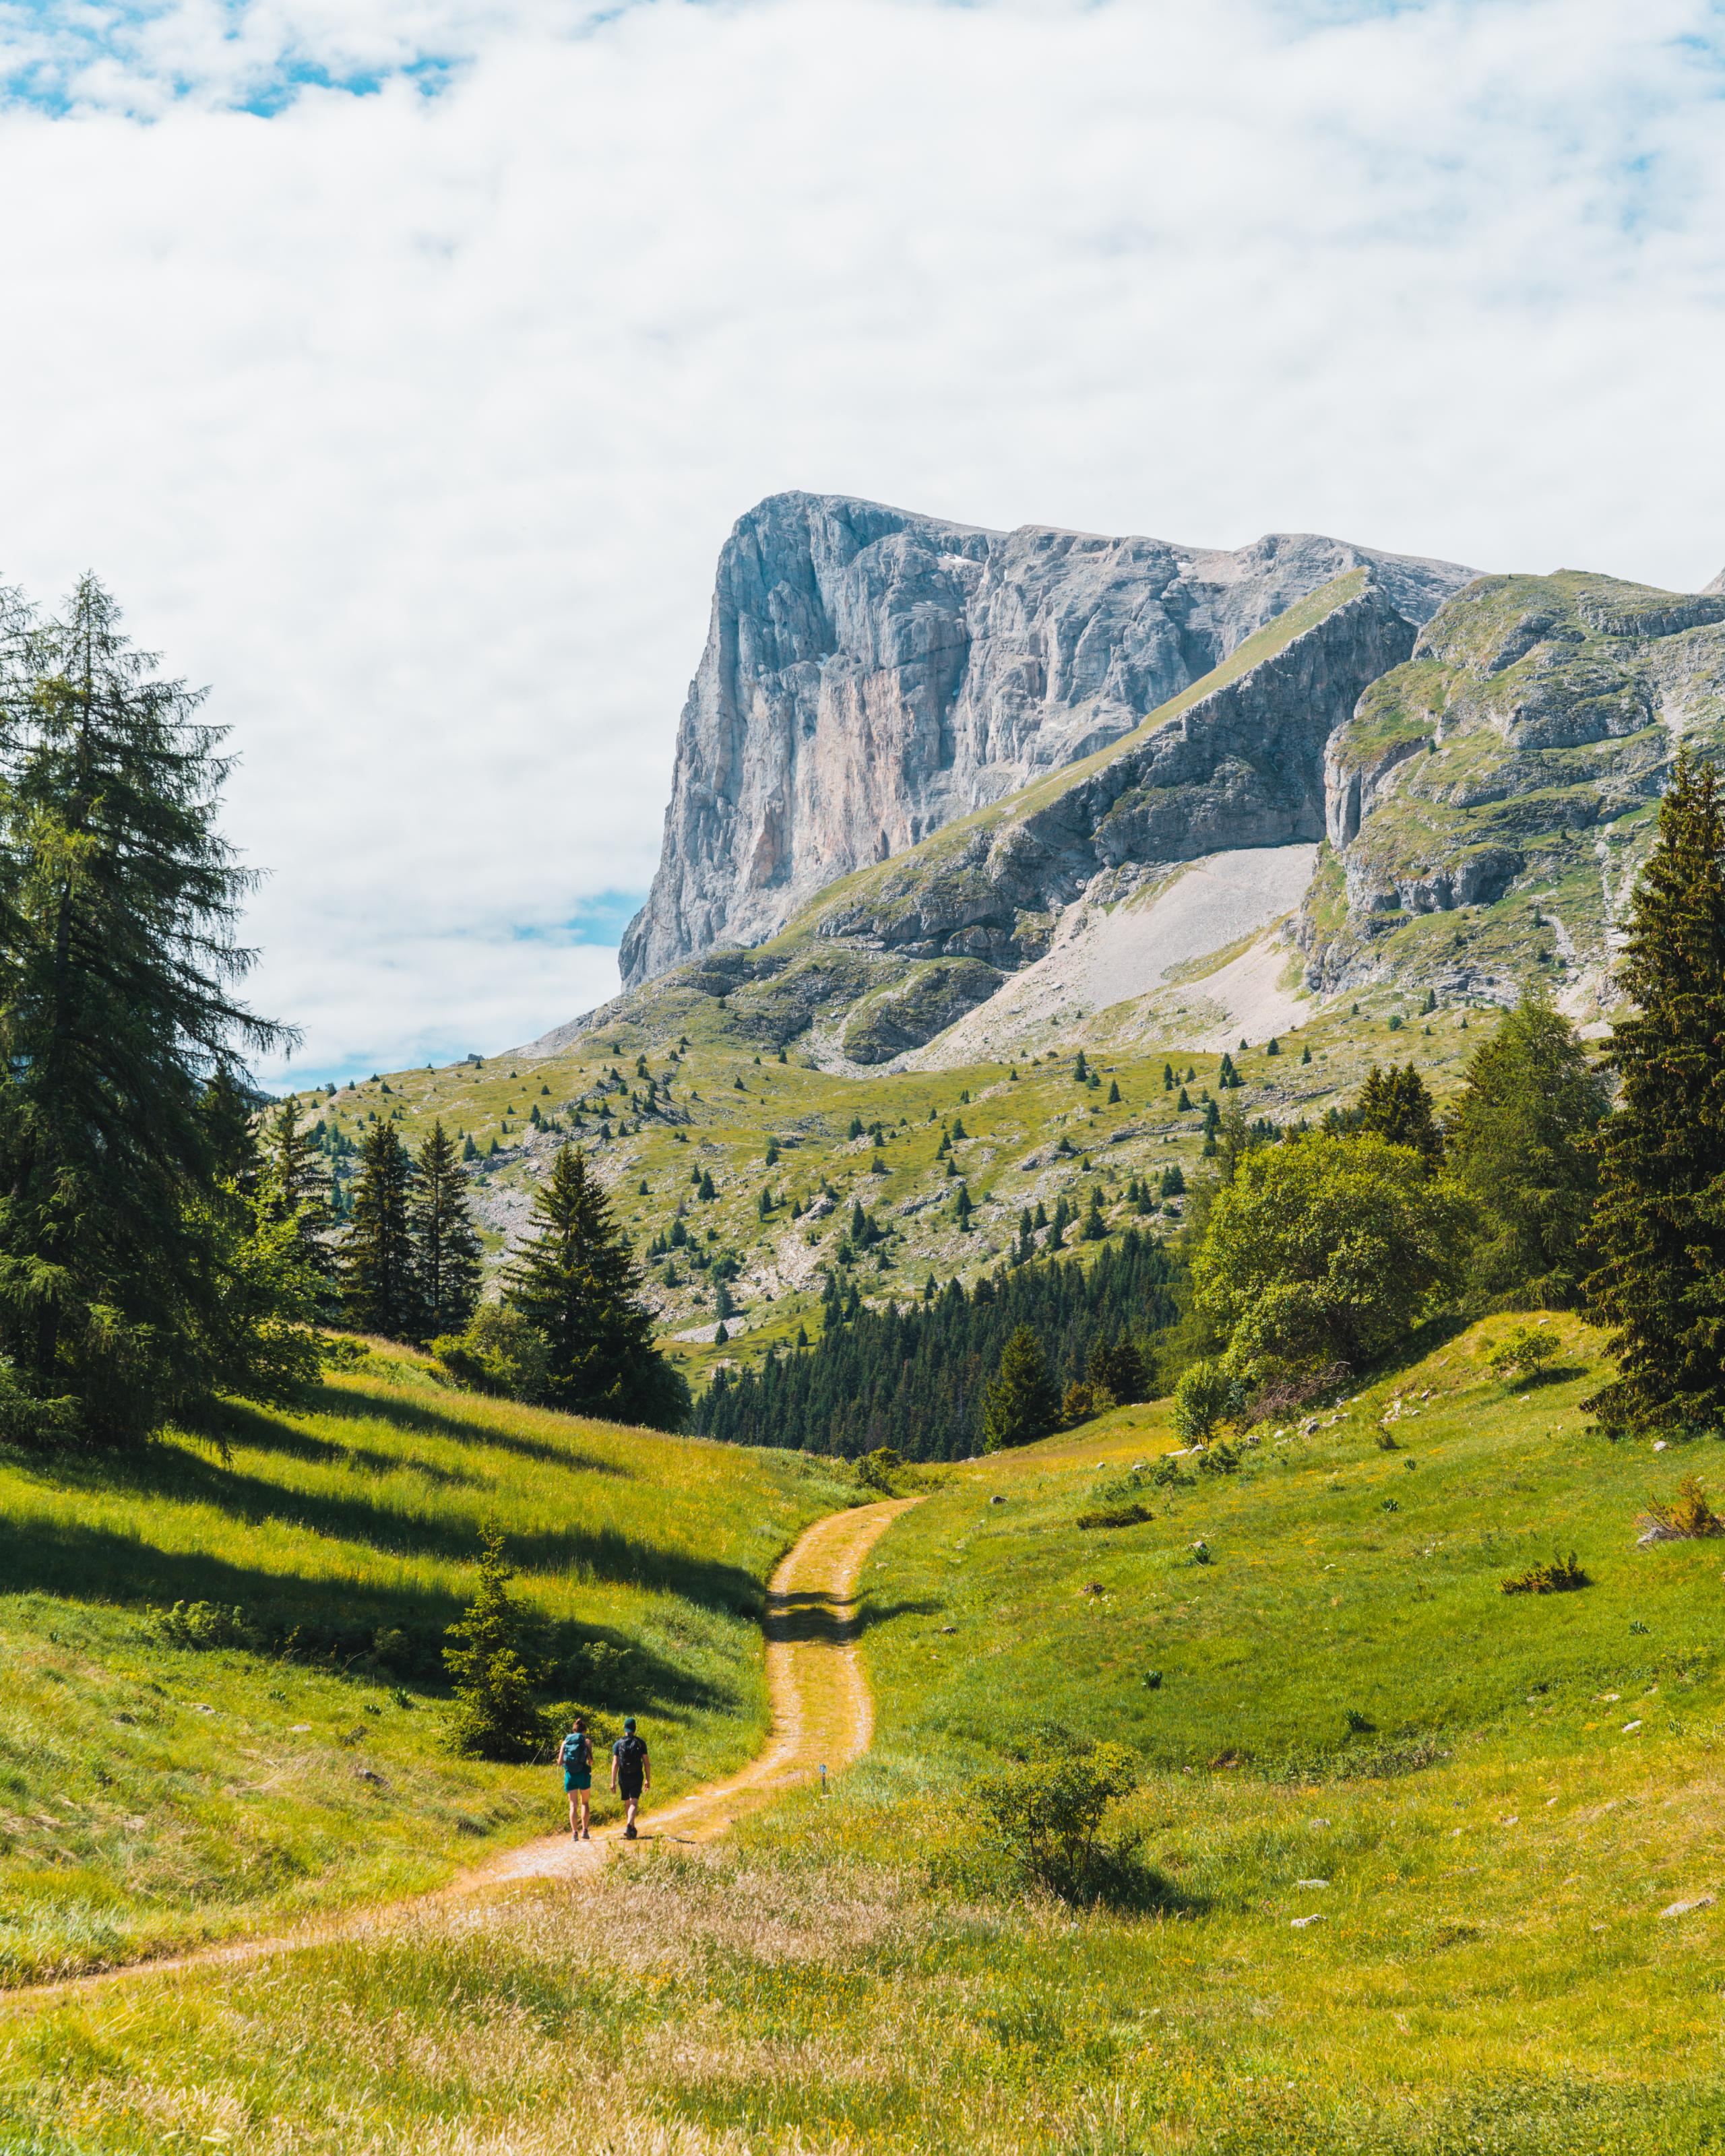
1490,1971
153,1794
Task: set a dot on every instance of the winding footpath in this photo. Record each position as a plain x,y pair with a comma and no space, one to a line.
823,1718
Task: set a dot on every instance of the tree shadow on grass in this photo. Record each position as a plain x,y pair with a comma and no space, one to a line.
598,1553
341,1403
816,1615
335,1623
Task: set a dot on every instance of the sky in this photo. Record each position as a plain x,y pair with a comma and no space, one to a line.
402,365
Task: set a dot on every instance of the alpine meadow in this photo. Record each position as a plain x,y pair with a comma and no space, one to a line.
1044,1469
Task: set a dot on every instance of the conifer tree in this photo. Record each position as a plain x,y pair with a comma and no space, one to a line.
490,1658
300,1192
1395,1104
1520,1141
576,1281
229,1133
1657,1236
1095,1228
118,960
379,1273
446,1246
1022,1405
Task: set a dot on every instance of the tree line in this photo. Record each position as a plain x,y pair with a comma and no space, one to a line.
917,1378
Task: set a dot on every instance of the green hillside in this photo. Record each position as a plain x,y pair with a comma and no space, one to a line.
155,1791
1428,1867
720,1105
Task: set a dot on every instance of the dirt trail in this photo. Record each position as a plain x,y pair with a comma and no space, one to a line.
823,1715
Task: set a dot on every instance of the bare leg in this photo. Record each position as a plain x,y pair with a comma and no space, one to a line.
628,1819
585,1832
573,1828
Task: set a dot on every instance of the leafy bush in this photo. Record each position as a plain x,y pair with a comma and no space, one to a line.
499,1353
883,1472
1522,1356
1206,1396
203,1624
1041,1817
1560,1575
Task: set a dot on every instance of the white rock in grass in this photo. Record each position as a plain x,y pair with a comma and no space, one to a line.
1311,1882
1688,1908
1299,1923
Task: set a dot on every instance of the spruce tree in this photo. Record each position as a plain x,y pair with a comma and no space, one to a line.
379,1274
446,1246
301,1191
576,1281
491,1659
1657,1236
1395,1104
118,904
1022,1405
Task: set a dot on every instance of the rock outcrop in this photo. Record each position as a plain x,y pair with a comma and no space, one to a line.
1522,746
871,675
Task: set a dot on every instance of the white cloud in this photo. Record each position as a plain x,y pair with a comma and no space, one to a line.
413,424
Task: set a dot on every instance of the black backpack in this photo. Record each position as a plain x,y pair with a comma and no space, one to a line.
630,1751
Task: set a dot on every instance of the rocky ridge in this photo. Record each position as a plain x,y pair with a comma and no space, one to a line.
870,676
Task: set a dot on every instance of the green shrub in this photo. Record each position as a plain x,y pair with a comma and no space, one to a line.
1040,1818
1522,1356
499,1353
203,1624
1206,1396
1561,1575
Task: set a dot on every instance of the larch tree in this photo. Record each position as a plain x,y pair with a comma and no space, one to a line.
1656,1239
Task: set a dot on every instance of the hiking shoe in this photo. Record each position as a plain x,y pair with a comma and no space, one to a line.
628,1834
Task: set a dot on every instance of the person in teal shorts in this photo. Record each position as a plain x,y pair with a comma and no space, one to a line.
575,1758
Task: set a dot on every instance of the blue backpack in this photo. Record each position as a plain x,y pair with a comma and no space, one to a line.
576,1751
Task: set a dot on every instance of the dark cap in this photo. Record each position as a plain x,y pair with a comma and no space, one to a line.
629,1721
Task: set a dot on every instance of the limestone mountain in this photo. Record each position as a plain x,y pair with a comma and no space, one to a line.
872,676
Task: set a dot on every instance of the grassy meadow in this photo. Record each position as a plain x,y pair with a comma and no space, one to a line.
1426,1866
154,1793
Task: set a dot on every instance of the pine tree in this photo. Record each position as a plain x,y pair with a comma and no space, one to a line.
1095,1228
962,1208
230,1135
118,902
1657,1236
1184,1103
1168,1077
1114,1093
490,1660
1022,1405
1081,1069
446,1246
1395,1104
577,1282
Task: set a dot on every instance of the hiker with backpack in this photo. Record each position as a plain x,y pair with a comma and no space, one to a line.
631,1772
575,1758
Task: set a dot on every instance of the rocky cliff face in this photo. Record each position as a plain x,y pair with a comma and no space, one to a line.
871,676
1516,756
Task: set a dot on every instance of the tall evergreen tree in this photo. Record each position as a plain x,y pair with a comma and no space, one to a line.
230,1134
446,1246
1520,1141
576,1282
1657,1236
1022,1405
1395,1104
118,960
379,1272
300,1190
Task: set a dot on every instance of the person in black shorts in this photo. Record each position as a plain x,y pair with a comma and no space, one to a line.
575,1758
631,1772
